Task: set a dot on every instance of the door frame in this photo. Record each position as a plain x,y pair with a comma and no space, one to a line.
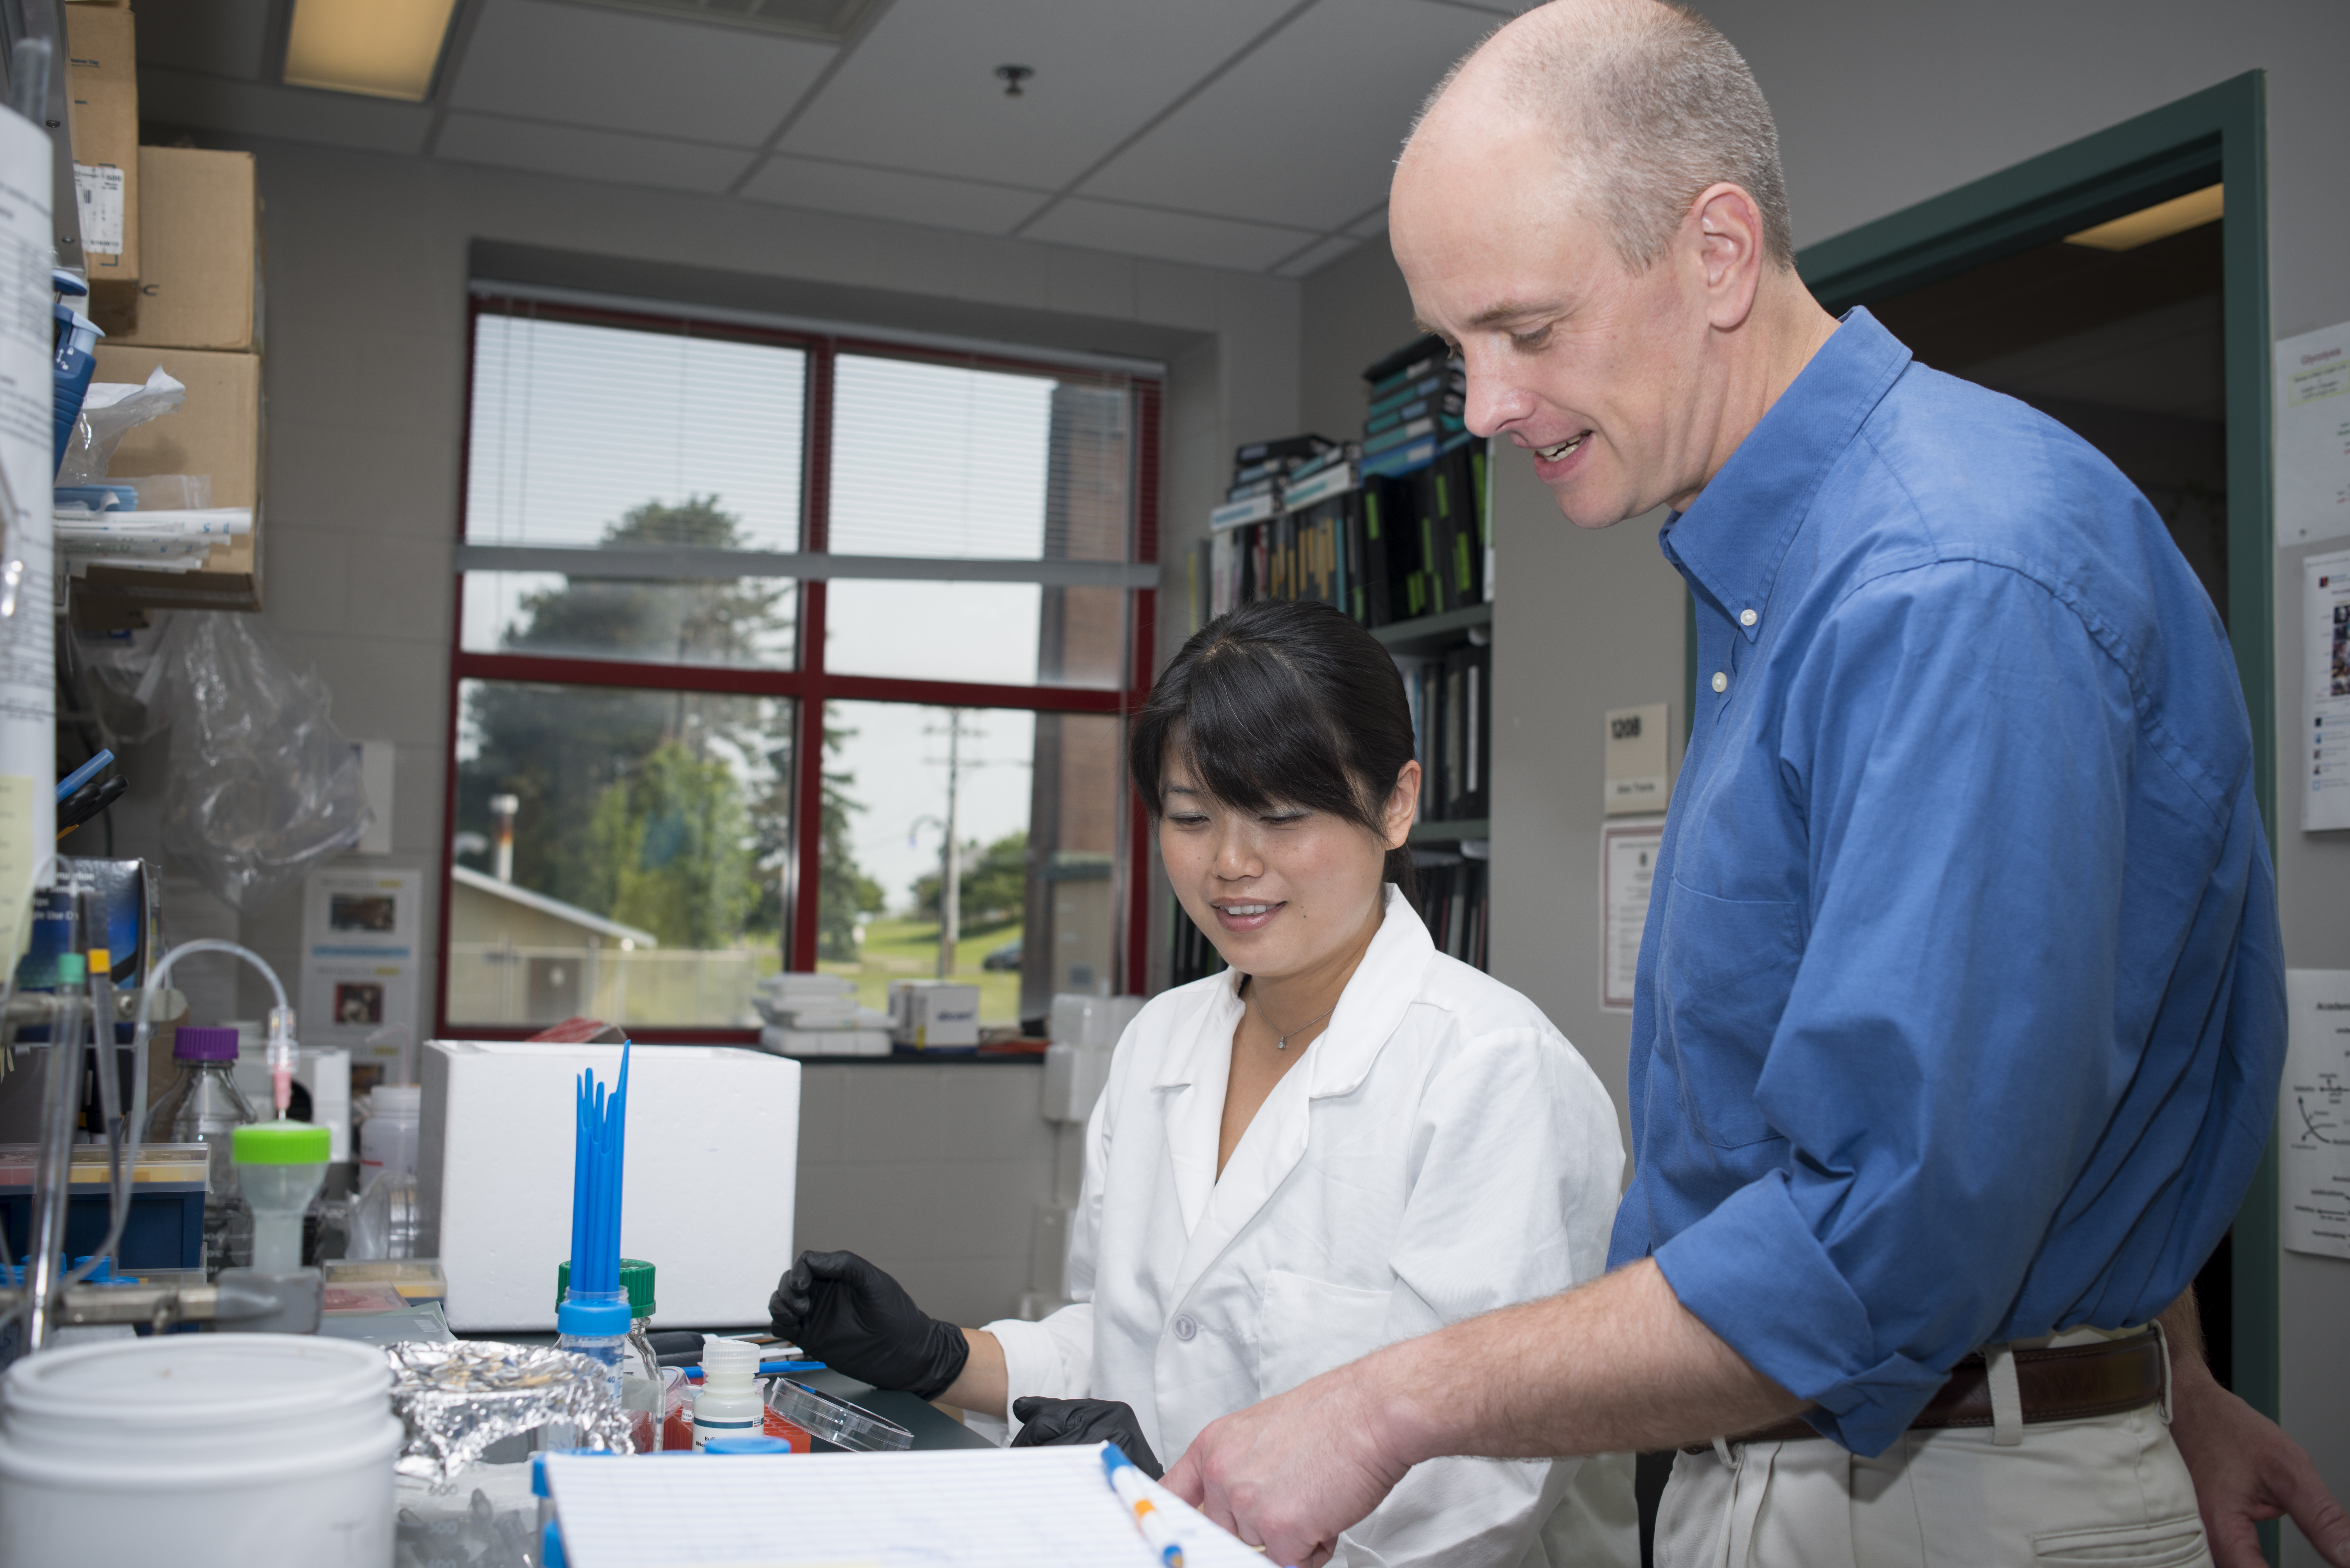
2219,133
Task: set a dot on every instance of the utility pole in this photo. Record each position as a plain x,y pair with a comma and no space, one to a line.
950,860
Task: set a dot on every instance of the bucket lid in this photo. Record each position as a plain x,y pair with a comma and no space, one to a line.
193,1044
636,1279
282,1143
176,1380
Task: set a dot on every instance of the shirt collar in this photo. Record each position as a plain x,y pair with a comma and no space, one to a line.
1730,541
1376,997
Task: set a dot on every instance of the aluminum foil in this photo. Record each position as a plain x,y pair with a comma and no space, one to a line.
458,1400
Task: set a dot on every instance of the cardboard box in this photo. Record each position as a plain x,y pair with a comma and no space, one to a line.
102,99
197,260
217,431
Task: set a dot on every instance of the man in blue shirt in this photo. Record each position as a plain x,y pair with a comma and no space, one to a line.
1959,1012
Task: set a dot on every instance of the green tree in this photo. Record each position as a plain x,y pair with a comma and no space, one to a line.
672,848
844,891
991,887
606,776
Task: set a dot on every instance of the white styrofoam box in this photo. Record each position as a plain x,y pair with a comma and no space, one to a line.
1074,1076
706,1195
1078,1019
933,1012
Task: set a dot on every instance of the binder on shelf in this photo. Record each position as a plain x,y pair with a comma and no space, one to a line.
1234,513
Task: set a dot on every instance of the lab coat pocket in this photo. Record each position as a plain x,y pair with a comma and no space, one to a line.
1305,1328
1724,967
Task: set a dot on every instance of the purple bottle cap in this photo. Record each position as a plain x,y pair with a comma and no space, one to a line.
192,1044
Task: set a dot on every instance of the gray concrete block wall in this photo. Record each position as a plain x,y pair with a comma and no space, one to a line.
932,1171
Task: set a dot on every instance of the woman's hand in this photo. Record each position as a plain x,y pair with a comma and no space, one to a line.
857,1320
1050,1423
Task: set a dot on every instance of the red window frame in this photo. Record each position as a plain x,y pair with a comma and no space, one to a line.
809,683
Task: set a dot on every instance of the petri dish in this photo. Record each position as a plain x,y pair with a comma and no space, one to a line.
835,1420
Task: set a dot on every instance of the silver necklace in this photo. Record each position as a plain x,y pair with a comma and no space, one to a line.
1280,1041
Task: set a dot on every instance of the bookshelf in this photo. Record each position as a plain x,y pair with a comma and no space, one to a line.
1394,528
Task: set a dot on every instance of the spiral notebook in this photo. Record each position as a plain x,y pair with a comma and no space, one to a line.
975,1508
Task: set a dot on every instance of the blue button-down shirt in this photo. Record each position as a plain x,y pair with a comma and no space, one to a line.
1960,1005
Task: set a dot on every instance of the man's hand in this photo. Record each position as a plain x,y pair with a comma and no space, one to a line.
2246,1469
1291,1472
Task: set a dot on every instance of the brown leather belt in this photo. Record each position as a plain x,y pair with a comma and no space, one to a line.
2067,1382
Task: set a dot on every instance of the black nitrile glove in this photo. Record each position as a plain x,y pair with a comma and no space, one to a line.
856,1319
1051,1423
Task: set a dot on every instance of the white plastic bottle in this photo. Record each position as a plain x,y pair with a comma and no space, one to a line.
388,1136
729,1405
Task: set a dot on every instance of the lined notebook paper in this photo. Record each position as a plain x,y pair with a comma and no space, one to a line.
973,1508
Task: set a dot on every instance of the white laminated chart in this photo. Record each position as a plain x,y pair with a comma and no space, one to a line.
2312,436
976,1508
2321,763
2313,1112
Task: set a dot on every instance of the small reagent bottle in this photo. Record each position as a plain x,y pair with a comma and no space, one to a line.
729,1405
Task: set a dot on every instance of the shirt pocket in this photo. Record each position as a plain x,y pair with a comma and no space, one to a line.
1306,1327
1724,969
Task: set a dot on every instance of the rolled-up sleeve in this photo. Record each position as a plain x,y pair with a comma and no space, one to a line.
1958,741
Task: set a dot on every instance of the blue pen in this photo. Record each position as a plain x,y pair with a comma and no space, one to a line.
769,1368
83,774
1126,1482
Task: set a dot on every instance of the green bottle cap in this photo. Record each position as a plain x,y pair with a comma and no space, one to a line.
636,1279
282,1143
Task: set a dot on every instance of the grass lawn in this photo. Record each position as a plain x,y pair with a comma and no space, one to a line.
908,950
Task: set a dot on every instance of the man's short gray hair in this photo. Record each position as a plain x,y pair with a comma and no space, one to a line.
1651,105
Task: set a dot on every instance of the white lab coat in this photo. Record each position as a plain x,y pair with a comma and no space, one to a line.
1440,1150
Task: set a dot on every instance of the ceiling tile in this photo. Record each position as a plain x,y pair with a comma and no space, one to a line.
221,36
920,91
583,64
886,193
1167,236
1315,257
184,99
614,158
1305,130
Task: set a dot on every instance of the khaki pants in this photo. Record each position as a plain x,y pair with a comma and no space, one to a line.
2106,1492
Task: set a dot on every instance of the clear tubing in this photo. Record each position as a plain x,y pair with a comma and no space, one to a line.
107,1057
139,1036
54,1171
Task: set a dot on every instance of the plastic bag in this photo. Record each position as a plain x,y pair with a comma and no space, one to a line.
107,414
262,786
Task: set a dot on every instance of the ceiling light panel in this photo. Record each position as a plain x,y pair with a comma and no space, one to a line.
2159,222
825,21
920,92
381,49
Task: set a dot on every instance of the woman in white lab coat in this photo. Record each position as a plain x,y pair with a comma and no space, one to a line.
1344,1139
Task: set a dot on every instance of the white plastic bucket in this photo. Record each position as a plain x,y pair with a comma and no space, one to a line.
205,1450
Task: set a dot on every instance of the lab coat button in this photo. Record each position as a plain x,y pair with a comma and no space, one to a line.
1186,1326
1720,681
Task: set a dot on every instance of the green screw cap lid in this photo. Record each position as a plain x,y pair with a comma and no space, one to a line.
636,1278
282,1143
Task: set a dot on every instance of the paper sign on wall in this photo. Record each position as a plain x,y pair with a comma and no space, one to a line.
2313,1112
2322,761
358,965
1628,873
2312,436
1637,760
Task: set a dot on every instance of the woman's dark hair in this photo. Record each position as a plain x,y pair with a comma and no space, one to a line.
1281,703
